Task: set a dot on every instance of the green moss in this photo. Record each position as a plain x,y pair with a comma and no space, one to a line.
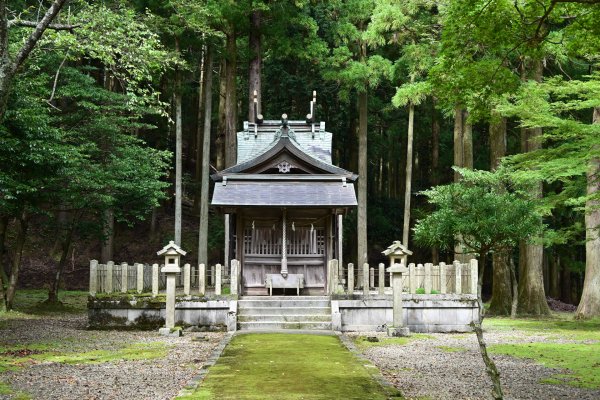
363,343
580,360
30,303
558,325
451,349
289,366
136,351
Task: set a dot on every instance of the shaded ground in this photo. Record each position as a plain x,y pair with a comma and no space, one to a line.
46,354
537,359
290,366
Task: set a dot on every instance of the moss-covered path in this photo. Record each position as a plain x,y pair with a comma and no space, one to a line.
290,366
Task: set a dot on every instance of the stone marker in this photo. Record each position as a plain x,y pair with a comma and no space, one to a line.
398,328
428,281
412,278
202,279
212,276
350,278
93,277
443,278
218,280
235,266
365,276
124,277
381,278
140,277
474,272
186,279
154,280
457,277
371,277
109,276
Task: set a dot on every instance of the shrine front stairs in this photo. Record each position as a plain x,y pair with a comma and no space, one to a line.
284,312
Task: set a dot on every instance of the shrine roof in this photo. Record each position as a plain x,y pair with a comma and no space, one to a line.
301,192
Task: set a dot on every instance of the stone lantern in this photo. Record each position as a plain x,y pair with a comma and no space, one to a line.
397,253
172,254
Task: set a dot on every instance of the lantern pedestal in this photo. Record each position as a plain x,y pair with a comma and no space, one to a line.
398,328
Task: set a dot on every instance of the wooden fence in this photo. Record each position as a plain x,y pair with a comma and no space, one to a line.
144,278
459,278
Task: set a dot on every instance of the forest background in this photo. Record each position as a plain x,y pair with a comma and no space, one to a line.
105,108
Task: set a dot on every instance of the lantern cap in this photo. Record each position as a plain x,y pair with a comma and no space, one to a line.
398,268
171,250
397,249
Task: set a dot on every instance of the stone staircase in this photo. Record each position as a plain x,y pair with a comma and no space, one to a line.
284,312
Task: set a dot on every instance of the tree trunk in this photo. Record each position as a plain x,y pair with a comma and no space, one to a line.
203,230
254,79
589,305
23,223
178,149
108,236
555,276
66,248
361,228
199,130
220,140
463,157
501,301
3,229
532,298
408,177
435,161
230,101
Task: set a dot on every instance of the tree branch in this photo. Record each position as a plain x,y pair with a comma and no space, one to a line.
37,33
33,24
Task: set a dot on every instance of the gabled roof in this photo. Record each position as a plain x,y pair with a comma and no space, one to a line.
311,137
171,249
281,147
397,248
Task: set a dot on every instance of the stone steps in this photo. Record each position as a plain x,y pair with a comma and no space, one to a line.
277,325
284,312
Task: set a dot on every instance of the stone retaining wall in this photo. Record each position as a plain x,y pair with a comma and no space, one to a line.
422,313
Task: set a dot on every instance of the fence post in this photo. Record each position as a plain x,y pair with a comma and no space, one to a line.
217,271
335,276
381,278
457,277
186,279
474,273
212,276
233,277
350,278
154,280
365,276
124,277
140,277
443,278
202,279
428,284
109,276
93,277
412,278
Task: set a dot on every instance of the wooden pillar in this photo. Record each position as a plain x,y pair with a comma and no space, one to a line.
284,270
226,258
339,240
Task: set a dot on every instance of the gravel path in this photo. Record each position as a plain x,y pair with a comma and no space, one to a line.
423,368
160,378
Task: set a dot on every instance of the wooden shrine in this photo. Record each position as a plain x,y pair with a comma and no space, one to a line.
284,202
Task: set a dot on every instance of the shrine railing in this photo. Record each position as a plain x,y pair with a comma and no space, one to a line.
111,278
457,278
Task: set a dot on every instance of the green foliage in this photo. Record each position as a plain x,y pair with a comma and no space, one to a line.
487,210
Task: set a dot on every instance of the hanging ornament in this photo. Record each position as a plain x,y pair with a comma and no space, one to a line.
293,227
